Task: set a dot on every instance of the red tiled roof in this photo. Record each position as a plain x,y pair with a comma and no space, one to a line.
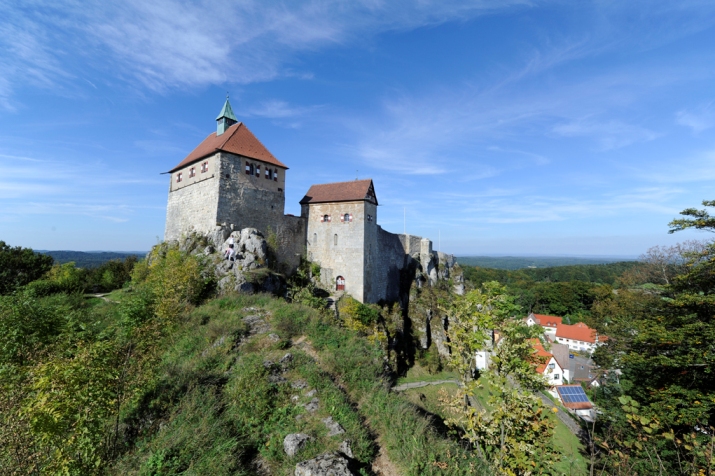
341,192
237,140
548,321
578,331
541,356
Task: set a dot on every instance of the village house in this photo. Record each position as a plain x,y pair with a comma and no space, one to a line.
547,365
549,323
578,337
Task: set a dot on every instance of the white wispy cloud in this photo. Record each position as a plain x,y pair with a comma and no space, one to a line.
698,119
611,134
173,44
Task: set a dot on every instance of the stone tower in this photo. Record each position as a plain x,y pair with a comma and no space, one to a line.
228,179
342,224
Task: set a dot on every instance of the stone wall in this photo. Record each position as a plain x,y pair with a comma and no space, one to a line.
347,257
248,201
191,207
290,238
387,263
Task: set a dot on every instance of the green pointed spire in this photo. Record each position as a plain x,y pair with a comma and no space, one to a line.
226,118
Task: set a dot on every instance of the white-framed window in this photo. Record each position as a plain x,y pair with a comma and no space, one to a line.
325,218
275,175
552,366
346,218
556,376
179,177
258,171
248,168
205,167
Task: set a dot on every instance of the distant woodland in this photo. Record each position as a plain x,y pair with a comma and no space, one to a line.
567,291
89,259
519,262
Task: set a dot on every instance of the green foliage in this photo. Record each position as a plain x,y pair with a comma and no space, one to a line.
515,435
660,412
69,407
19,266
27,325
568,291
302,288
174,278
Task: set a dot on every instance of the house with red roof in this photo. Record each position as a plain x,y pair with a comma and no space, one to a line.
546,364
578,337
549,323
231,181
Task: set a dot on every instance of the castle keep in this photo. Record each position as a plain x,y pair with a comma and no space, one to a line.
231,181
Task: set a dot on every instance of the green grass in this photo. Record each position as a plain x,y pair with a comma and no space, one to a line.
417,373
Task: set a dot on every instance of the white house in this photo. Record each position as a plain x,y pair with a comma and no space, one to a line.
548,366
549,323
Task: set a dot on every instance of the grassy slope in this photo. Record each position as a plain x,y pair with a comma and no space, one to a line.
211,408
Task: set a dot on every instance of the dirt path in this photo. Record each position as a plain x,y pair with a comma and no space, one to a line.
424,383
382,465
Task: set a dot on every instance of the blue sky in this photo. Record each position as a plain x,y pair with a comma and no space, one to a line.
505,127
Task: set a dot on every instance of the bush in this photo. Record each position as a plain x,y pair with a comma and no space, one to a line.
19,266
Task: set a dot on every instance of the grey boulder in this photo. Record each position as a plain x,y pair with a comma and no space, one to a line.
293,443
328,464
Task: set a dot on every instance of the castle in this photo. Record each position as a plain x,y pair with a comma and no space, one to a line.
231,181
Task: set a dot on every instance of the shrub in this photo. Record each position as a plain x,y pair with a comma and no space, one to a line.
19,266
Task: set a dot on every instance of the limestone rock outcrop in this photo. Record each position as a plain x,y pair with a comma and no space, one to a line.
328,464
294,442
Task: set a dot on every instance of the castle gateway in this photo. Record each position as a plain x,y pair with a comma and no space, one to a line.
231,181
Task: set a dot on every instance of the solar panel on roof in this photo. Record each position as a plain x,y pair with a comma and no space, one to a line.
573,394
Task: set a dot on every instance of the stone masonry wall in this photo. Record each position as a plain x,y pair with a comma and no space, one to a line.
248,200
389,260
290,237
193,205
345,259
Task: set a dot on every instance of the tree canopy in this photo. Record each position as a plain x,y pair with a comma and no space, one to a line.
19,266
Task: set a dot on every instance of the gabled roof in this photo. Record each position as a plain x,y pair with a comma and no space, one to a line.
561,354
578,331
548,321
542,356
237,140
341,192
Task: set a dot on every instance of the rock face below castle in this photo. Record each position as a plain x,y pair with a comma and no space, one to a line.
232,182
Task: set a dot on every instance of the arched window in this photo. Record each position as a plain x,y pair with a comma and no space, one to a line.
346,218
335,239
315,239
340,282
326,218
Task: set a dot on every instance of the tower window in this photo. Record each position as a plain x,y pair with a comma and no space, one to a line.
253,170
205,167
258,171
192,172
275,175
315,239
179,177
335,239
248,168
